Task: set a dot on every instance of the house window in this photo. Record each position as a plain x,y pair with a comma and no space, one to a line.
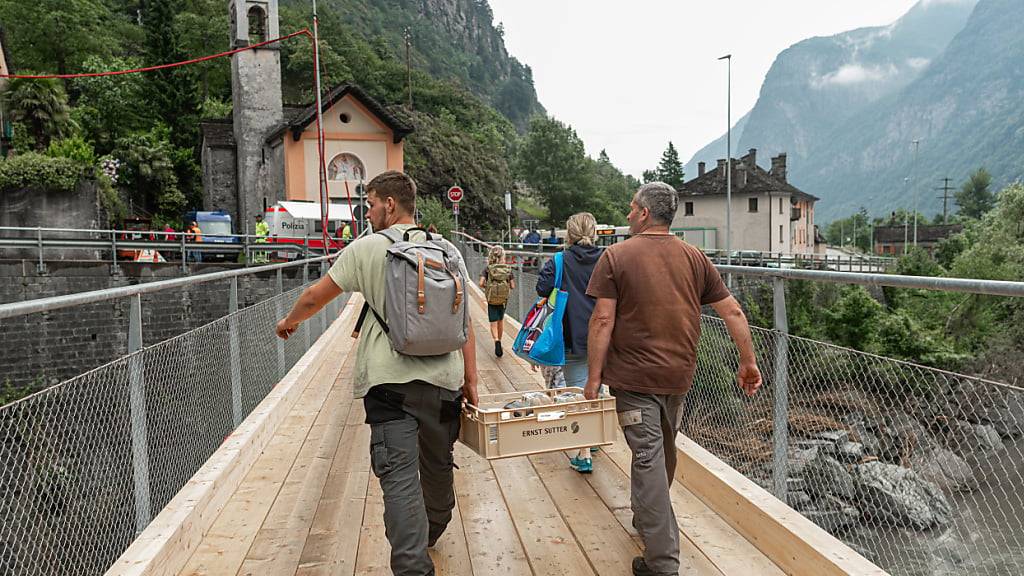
780,234
346,166
780,205
689,209
752,205
257,25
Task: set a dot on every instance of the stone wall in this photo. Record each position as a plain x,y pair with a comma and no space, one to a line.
48,348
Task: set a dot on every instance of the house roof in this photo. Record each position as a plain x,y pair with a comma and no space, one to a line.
218,133
298,119
747,178
931,233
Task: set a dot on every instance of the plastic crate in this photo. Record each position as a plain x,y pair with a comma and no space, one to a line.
494,431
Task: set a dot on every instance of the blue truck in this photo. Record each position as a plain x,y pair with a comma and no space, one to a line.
216,227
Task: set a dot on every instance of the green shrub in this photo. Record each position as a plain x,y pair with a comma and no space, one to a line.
433,213
75,148
39,172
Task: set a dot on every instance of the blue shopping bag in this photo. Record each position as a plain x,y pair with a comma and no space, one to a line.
540,340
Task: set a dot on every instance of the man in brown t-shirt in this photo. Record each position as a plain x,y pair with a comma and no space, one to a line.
643,344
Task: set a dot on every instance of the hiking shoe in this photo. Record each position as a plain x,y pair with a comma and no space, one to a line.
582,465
594,449
640,568
497,348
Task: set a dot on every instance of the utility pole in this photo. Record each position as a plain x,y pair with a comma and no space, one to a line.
945,199
407,34
913,174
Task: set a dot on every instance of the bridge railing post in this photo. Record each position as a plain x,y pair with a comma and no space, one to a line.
521,289
114,269
137,401
306,330
780,427
234,356
331,311
41,268
279,343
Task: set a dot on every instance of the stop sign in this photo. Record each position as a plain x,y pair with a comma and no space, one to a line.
455,194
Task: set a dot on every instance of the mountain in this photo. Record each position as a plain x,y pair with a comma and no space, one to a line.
716,149
818,85
965,108
454,40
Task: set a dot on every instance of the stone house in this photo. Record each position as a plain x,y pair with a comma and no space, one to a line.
893,239
768,213
267,152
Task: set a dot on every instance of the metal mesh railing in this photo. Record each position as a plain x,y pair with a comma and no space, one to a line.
88,463
918,469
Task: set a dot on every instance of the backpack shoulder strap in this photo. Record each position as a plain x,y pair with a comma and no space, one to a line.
393,236
558,271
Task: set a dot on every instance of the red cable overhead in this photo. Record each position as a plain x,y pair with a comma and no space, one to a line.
303,32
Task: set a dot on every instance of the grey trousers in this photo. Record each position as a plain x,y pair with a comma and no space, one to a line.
650,423
413,428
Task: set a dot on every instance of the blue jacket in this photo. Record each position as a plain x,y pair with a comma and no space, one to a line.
579,262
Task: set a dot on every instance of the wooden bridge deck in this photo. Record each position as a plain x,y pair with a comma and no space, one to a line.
310,506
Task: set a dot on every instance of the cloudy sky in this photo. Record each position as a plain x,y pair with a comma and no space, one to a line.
630,76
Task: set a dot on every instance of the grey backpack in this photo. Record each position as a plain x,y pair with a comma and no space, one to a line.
425,299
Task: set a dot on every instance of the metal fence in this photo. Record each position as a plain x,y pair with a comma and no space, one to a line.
85,465
919,469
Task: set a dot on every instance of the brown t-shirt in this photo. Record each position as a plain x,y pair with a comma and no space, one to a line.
659,283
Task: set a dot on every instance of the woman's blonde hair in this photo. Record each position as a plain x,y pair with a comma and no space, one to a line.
581,229
496,255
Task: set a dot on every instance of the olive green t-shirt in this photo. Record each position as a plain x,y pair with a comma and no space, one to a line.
360,268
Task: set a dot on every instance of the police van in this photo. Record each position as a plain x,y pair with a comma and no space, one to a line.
299,222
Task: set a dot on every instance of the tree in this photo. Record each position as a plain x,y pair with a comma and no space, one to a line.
148,172
552,161
42,105
974,197
433,213
47,33
173,92
670,169
109,107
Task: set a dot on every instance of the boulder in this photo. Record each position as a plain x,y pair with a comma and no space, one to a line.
852,452
825,476
946,469
832,514
900,435
975,443
893,495
1001,408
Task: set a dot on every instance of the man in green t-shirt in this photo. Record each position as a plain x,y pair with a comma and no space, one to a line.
413,403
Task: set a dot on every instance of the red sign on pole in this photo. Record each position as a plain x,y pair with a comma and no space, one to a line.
455,194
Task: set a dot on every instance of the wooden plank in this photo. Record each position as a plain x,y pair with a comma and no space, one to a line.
332,542
280,541
795,543
223,549
606,543
169,541
494,545
374,555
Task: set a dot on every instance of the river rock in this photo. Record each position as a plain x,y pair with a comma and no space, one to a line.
945,468
975,443
983,403
832,514
900,435
851,452
893,495
826,476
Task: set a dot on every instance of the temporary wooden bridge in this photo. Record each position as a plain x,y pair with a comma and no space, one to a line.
291,493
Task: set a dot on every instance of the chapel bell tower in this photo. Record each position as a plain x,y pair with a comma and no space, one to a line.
256,97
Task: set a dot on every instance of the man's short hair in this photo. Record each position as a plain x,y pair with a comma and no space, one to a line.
397,185
660,199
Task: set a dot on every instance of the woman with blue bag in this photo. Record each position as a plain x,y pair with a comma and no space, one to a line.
578,261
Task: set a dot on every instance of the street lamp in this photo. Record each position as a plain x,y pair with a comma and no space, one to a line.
913,175
728,162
